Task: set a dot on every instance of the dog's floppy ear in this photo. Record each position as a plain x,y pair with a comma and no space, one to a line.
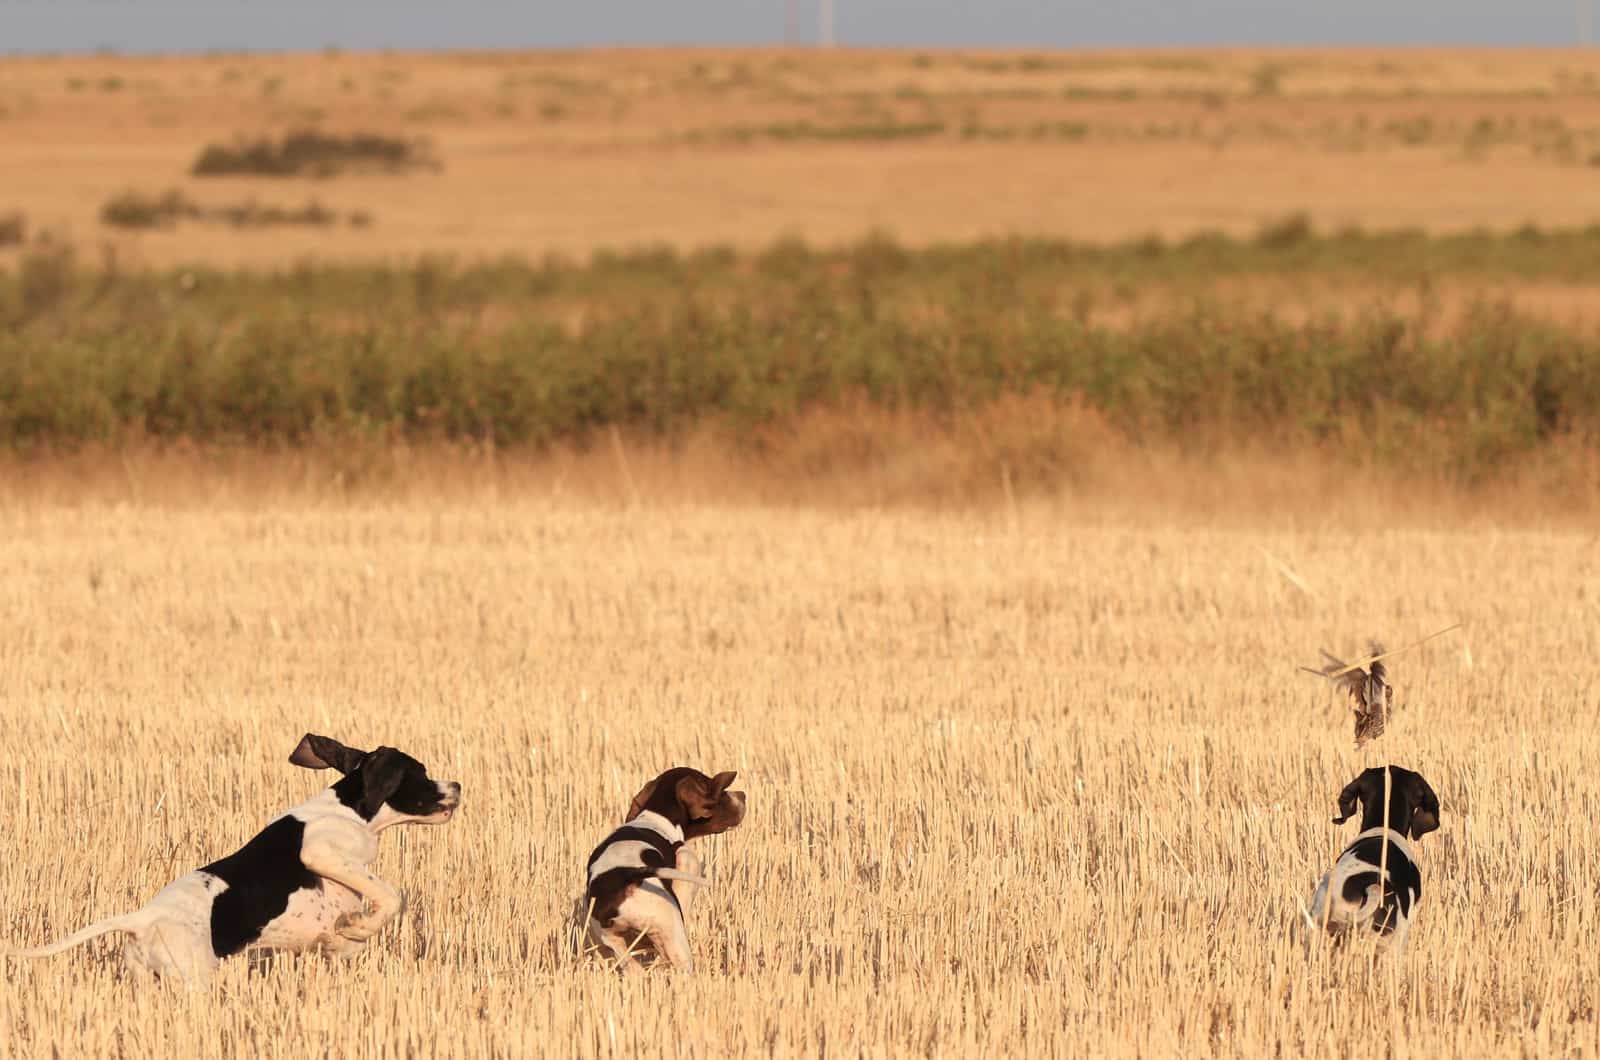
636,807
320,752
1424,807
1358,791
381,775
699,795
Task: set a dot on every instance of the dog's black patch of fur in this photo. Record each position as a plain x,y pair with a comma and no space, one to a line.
261,875
1413,808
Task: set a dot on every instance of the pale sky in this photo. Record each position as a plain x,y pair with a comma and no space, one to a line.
198,25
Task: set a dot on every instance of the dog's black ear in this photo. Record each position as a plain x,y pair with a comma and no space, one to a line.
381,775
1347,801
1358,791
321,752
1424,806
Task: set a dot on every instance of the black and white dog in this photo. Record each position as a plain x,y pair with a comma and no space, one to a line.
1376,883
641,876
301,883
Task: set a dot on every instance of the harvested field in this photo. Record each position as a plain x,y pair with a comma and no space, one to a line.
1018,782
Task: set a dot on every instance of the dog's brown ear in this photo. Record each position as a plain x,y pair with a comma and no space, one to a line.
321,752
699,795
722,781
636,807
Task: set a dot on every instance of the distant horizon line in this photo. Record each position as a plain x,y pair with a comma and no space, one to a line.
109,52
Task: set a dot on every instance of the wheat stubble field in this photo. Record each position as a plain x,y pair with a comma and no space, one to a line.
960,542
1038,782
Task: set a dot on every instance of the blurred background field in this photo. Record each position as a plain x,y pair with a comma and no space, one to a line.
1434,358
577,150
574,151
1381,257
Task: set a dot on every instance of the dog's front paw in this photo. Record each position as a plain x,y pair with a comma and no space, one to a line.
354,928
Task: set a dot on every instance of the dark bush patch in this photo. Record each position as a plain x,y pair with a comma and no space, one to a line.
309,152
132,209
1285,232
13,229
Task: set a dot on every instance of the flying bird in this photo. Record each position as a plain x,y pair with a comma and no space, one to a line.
1370,692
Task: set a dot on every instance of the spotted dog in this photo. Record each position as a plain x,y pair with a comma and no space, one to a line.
302,883
642,875
1375,885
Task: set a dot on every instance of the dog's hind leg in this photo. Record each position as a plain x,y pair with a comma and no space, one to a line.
133,960
173,953
615,944
653,912
671,940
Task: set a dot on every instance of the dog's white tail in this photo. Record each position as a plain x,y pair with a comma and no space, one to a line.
1311,922
127,922
685,877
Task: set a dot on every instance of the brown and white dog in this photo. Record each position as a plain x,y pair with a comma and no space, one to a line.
642,875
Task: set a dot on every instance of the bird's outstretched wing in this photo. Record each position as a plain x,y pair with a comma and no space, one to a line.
1369,690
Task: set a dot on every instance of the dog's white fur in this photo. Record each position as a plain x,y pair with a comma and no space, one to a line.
1332,911
171,935
649,912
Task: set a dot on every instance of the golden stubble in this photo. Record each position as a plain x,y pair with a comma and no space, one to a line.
1025,782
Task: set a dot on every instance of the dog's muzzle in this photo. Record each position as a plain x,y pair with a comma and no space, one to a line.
451,799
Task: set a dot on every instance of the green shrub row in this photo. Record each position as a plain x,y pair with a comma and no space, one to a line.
530,354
